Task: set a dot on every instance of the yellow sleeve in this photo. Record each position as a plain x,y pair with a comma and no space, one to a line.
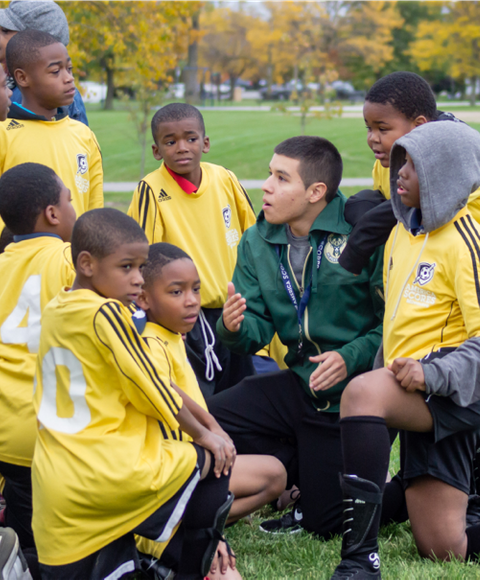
145,384
96,175
467,272
245,211
474,205
3,148
68,271
143,209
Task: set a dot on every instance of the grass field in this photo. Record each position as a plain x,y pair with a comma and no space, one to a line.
244,143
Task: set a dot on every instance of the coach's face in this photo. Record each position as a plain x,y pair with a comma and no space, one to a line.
286,199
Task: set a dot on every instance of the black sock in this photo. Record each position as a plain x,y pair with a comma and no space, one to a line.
473,543
394,506
366,453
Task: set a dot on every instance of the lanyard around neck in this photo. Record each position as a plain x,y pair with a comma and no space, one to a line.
300,308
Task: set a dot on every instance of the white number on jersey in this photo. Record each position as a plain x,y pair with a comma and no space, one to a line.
47,414
28,305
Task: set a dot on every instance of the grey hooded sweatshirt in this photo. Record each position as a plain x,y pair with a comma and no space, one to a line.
447,160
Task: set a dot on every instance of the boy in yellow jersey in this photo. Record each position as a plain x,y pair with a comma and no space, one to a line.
37,208
203,209
430,386
103,468
394,105
40,129
171,300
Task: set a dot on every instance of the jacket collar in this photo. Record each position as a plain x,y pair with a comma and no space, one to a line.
330,220
20,113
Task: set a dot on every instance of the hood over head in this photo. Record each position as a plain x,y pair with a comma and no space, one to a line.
447,160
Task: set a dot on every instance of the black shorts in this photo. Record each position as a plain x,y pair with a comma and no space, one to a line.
120,557
446,453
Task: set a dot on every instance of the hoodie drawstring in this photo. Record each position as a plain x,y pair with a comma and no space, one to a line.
210,356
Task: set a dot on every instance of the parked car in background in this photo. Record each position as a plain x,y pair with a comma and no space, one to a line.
345,91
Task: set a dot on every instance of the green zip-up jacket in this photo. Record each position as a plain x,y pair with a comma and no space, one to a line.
344,312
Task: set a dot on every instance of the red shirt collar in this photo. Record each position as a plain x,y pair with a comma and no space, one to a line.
187,186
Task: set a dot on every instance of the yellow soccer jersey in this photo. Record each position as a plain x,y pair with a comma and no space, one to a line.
32,272
381,181
165,344
207,224
101,464
437,303
67,146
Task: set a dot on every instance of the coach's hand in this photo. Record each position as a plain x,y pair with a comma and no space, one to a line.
223,451
330,371
409,373
233,309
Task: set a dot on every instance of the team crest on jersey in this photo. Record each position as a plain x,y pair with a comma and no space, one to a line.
227,216
334,247
82,163
424,273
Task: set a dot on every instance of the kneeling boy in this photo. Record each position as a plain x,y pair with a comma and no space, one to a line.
431,386
102,468
289,281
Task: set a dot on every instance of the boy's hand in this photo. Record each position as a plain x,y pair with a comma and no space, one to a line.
233,309
330,371
223,451
409,373
215,428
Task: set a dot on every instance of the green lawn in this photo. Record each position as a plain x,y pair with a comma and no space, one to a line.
241,141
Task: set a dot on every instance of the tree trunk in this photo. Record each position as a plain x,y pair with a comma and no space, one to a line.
473,83
110,89
192,92
233,80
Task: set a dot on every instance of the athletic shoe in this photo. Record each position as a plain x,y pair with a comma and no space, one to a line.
12,562
352,570
290,523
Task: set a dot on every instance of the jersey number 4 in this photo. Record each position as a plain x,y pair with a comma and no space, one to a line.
28,307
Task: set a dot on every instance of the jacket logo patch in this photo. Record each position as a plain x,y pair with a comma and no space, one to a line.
334,247
163,196
424,273
14,125
227,216
82,163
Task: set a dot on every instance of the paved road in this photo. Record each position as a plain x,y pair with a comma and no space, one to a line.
129,186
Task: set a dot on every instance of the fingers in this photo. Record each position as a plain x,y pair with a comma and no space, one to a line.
409,373
230,289
330,371
233,310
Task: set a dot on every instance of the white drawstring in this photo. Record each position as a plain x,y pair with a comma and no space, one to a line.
210,356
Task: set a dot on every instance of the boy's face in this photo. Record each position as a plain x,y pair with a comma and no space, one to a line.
173,300
285,198
180,144
118,275
407,182
66,213
385,125
5,94
50,78
5,36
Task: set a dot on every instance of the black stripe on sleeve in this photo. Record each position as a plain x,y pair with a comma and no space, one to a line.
125,339
144,202
473,225
138,345
472,255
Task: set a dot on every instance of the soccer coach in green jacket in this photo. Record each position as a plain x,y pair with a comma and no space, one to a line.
288,280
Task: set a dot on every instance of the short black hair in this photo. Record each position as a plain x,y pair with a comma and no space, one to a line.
176,112
159,255
25,191
23,48
319,161
101,231
407,92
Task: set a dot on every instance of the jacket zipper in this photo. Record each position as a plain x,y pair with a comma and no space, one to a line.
301,289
